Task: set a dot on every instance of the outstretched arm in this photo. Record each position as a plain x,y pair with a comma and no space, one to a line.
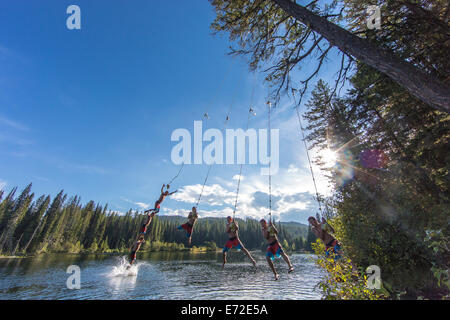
173,192
162,188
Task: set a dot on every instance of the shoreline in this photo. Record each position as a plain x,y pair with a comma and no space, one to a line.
125,253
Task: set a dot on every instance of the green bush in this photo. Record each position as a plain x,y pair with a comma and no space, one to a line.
343,281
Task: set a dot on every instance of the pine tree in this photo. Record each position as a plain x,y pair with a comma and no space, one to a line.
16,214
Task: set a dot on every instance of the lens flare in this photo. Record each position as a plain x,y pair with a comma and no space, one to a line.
329,157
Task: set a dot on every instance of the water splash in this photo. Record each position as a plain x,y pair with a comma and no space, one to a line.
123,269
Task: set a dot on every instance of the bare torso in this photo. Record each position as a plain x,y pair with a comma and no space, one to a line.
322,234
232,230
136,246
192,217
270,238
161,197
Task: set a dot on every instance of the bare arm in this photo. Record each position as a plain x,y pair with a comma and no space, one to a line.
173,192
162,188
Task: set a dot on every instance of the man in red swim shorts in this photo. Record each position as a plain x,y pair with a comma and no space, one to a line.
162,196
234,241
145,225
274,248
134,248
189,226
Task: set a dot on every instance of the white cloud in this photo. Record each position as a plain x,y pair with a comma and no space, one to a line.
202,213
13,124
292,194
213,195
141,205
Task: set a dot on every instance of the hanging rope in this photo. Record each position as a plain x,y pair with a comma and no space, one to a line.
250,112
179,171
203,187
210,166
306,148
270,164
225,124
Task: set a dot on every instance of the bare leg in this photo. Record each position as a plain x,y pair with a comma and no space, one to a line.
149,218
288,261
224,259
270,262
247,253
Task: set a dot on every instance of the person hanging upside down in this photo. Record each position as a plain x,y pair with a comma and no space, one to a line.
134,248
189,226
234,241
274,249
332,246
145,225
158,202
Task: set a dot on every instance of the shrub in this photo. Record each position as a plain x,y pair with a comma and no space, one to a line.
343,280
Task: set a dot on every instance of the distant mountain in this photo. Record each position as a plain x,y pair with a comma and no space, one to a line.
296,229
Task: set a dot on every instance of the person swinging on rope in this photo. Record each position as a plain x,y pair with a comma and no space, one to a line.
135,248
144,226
158,202
189,225
322,231
234,241
274,249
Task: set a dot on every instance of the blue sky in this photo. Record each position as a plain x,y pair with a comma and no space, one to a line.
91,111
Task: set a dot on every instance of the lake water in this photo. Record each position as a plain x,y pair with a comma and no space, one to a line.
162,275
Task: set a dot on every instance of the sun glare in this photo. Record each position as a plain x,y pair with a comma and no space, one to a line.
329,157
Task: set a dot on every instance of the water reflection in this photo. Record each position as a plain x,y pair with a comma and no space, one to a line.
162,275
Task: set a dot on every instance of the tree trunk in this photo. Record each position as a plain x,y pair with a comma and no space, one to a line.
17,245
1,241
32,236
431,91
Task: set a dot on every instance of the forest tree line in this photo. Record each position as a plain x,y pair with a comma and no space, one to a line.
32,226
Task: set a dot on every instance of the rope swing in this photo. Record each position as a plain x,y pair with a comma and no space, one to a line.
269,104
176,176
297,106
210,166
250,112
